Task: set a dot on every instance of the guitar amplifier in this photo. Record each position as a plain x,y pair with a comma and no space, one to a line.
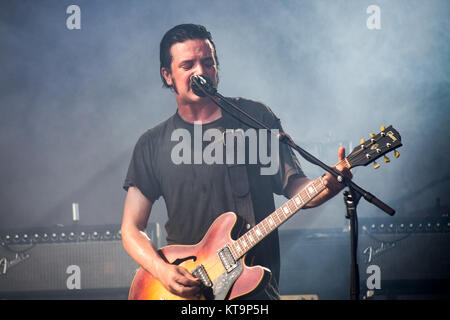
404,258
77,262
398,259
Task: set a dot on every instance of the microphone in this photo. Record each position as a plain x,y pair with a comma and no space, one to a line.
202,85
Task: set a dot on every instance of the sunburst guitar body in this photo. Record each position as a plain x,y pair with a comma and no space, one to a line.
222,275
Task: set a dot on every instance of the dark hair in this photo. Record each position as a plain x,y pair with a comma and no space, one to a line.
181,33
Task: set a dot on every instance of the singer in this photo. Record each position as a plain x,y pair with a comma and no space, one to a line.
196,194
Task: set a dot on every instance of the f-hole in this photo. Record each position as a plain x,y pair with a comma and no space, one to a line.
180,261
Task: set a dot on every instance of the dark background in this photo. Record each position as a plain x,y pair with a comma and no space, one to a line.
74,102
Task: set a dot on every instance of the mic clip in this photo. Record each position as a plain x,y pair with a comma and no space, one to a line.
202,86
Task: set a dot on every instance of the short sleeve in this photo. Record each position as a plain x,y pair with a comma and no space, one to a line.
140,171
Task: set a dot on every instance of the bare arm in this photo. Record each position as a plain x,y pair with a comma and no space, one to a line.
136,213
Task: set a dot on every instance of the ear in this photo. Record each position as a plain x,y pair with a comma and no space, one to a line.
167,76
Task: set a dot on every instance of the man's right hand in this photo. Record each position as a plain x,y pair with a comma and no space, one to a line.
179,281
175,279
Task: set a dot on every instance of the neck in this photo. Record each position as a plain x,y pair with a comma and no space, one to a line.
203,112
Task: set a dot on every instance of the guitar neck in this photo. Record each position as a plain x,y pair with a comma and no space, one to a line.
252,237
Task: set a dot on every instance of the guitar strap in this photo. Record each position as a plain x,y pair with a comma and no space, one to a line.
240,184
239,181
241,192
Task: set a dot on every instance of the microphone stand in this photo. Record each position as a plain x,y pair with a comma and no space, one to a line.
351,197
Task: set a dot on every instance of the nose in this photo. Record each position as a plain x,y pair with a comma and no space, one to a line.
199,69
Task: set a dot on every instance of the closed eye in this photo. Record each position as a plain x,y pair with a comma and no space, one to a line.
187,65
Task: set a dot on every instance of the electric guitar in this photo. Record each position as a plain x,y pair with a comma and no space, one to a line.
218,260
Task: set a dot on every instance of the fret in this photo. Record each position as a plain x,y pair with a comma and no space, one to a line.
274,218
244,244
286,210
312,189
280,215
248,242
238,248
271,222
258,232
233,251
298,201
292,206
250,237
267,226
255,235
304,196
315,186
262,223
320,183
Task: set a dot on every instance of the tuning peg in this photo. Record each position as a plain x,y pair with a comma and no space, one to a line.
386,159
396,154
375,165
362,141
372,135
382,128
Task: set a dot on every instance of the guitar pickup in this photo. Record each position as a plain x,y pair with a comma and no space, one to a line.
227,259
200,273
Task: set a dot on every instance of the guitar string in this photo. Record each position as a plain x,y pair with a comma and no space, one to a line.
217,262
212,267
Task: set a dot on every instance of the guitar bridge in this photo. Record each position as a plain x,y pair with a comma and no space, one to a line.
227,258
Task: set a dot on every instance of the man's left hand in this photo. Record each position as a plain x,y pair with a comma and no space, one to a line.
333,186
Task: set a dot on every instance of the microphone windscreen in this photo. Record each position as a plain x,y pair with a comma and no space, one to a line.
195,82
202,83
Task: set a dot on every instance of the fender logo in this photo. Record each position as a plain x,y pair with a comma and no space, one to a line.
5,265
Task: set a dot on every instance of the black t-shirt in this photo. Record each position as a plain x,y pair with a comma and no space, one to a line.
196,191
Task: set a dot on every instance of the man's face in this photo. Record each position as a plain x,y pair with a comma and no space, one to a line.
191,57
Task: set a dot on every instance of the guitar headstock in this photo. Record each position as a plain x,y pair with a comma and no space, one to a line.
378,145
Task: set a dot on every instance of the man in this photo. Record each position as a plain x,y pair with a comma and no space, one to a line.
196,193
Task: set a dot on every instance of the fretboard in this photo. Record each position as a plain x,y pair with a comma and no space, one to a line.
247,241
252,237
